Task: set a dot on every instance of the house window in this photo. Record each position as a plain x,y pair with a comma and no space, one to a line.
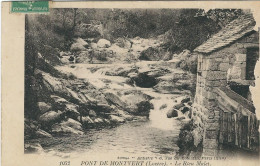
252,56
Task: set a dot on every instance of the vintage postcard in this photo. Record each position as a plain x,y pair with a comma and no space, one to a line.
130,83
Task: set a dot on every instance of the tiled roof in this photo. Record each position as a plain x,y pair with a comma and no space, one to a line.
232,32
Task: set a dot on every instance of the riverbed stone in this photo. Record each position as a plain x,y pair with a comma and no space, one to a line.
33,148
116,119
92,113
50,118
86,120
172,113
42,134
114,99
43,107
68,127
103,43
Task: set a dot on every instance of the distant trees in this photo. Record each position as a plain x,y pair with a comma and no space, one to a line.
194,26
64,22
223,16
182,28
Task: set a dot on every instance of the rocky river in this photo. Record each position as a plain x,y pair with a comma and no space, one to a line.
155,133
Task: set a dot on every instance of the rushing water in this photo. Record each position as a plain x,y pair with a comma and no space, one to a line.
155,135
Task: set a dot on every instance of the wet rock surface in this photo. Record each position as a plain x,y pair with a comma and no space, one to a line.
95,96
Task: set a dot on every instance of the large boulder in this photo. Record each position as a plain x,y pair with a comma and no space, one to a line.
51,117
166,87
71,110
158,72
43,107
121,71
116,119
143,108
114,99
184,109
33,148
178,106
30,128
167,56
92,113
188,61
137,102
86,121
105,108
124,115
184,54
42,134
99,121
88,30
123,43
154,54
83,57
72,123
62,54
65,60
79,45
144,80
51,83
68,127
172,113
103,43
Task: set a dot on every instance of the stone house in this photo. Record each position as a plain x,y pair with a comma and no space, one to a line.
223,110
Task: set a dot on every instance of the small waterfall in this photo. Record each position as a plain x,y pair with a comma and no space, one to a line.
158,116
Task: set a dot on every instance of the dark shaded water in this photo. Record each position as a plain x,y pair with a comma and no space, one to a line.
129,138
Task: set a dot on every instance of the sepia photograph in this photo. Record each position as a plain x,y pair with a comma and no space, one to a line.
159,82
164,82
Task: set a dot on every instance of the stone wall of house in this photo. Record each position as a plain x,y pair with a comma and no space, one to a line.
213,71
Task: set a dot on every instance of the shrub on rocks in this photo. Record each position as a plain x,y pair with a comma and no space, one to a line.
186,141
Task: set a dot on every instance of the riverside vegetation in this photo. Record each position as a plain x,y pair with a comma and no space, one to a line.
88,70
